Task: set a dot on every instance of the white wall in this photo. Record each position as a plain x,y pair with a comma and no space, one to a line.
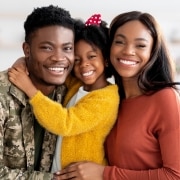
13,14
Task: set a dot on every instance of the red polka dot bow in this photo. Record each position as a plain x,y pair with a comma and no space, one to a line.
94,20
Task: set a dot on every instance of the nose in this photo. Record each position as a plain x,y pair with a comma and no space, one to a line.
84,63
129,50
58,55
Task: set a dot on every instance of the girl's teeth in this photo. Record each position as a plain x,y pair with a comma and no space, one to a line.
88,73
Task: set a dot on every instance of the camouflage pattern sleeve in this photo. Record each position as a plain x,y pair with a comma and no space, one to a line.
16,136
9,174
40,176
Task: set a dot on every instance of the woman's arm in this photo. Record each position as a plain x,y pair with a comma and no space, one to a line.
81,171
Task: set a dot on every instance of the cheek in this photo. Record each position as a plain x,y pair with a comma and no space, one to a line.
71,57
34,67
100,65
112,58
114,51
146,56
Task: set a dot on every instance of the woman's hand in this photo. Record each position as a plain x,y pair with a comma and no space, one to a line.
81,171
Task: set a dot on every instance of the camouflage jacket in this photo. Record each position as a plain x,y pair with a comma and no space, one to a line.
17,135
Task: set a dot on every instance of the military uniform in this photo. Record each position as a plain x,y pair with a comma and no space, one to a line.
17,148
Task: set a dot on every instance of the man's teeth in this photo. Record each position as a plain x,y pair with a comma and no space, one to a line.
128,62
56,69
87,73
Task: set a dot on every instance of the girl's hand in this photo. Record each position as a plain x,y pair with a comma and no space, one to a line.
20,78
21,63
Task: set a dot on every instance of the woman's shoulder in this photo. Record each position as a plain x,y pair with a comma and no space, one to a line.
166,97
166,92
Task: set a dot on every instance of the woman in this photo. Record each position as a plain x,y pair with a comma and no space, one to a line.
145,141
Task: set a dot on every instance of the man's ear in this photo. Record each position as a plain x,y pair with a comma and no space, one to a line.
26,49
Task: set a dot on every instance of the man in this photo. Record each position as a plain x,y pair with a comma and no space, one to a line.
26,149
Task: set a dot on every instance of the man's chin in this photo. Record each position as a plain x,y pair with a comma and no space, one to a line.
54,83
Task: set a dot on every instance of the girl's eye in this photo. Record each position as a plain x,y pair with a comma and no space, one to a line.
92,56
76,61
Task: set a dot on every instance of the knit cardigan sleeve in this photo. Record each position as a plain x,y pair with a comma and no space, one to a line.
91,110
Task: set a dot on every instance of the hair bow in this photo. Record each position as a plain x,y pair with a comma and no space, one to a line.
94,20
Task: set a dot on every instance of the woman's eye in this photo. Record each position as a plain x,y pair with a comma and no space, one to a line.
141,46
119,42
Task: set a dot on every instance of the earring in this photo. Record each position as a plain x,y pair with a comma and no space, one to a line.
106,64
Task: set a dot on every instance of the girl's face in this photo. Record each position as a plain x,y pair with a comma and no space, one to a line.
131,49
89,65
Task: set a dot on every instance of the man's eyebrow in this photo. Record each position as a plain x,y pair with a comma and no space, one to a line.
68,43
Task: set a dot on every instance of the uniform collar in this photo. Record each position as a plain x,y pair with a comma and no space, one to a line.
60,92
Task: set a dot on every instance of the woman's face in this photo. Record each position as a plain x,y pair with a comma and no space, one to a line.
131,49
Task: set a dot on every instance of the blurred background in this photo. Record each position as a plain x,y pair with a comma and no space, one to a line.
14,13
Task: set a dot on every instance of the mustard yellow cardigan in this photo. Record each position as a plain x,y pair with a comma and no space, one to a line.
83,126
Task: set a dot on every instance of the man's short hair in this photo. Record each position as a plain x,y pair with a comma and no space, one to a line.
47,16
